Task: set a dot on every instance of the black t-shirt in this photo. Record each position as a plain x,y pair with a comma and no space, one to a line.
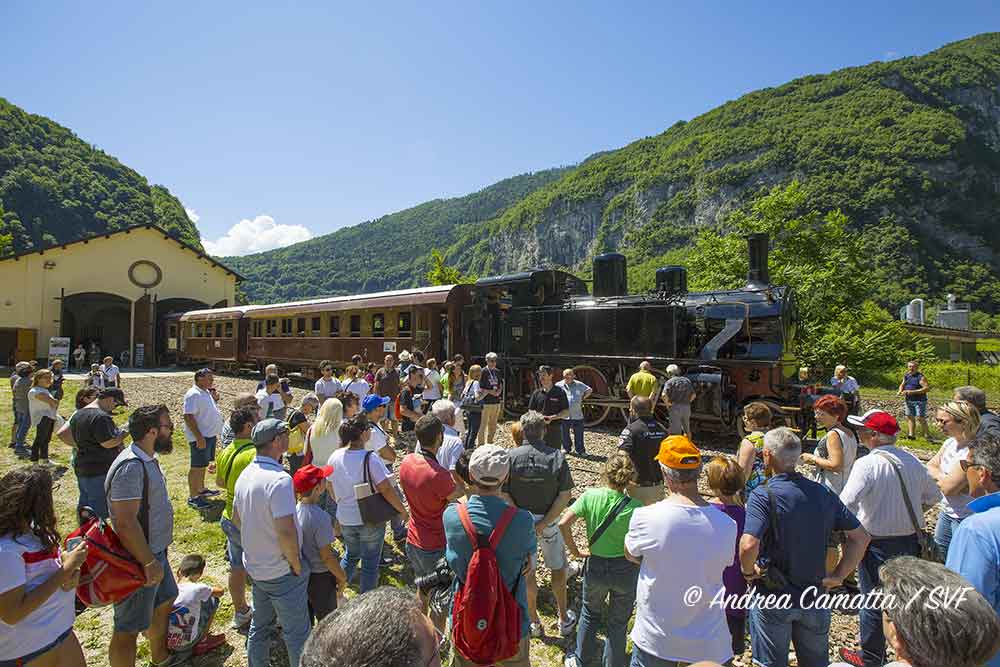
641,439
91,427
538,473
295,418
407,400
490,380
550,402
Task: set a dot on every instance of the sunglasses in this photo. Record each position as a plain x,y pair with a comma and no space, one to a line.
969,464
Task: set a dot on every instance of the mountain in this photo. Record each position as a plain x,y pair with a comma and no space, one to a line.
56,188
909,150
387,253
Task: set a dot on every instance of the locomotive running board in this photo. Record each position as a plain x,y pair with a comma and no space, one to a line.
712,347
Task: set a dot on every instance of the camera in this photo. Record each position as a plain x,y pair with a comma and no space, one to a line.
441,577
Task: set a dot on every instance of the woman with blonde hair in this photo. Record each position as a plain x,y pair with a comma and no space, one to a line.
609,579
323,437
959,420
472,405
725,478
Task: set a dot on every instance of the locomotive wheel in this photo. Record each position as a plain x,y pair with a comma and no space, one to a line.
594,378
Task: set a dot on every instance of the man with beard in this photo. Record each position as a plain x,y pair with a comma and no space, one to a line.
146,529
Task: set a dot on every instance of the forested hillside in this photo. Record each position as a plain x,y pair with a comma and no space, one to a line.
382,254
908,150
55,188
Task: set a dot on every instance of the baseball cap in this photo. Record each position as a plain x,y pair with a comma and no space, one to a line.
267,430
307,477
202,372
374,402
113,392
679,453
879,421
489,464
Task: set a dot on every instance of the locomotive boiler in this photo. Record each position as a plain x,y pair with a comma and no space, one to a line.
735,345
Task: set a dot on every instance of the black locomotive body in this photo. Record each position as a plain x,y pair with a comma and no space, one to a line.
735,345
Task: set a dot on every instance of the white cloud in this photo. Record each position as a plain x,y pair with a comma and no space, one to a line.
192,215
891,55
261,233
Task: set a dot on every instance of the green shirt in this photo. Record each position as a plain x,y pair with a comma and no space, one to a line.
642,383
229,465
593,507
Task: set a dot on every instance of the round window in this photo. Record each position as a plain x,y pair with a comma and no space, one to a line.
145,274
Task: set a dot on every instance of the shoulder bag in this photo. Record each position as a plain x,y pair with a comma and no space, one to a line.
374,507
608,520
469,401
928,551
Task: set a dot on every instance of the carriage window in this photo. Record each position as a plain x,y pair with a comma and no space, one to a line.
229,329
258,328
218,330
272,327
334,325
286,326
405,325
300,326
314,326
194,330
378,325
355,326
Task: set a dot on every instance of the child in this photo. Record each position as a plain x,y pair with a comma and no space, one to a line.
725,478
42,408
327,580
194,609
96,376
298,426
756,421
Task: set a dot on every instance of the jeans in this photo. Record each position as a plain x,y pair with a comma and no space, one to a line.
23,421
772,630
363,542
472,430
576,426
284,598
43,435
879,551
612,580
642,659
946,526
92,495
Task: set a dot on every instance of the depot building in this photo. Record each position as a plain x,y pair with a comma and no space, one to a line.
121,291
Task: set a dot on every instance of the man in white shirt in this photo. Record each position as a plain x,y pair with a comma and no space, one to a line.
327,386
680,543
112,374
452,446
202,426
873,494
264,511
270,399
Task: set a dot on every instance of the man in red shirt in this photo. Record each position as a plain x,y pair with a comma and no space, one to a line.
429,488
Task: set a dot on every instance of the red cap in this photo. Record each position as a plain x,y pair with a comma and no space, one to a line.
307,477
879,421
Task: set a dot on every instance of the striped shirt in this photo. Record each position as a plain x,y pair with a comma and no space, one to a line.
872,492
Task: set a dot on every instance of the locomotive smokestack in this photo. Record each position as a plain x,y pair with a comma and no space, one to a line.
758,277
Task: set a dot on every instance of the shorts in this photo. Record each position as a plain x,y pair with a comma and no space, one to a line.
424,562
200,458
234,547
25,659
553,548
915,408
135,613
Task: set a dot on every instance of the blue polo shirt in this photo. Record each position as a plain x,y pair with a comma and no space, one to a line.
807,513
975,552
516,546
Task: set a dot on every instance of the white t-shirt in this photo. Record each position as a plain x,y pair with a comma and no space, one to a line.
111,372
263,493
23,562
681,547
378,439
433,392
952,456
347,472
450,450
327,388
38,408
270,405
186,613
207,416
359,387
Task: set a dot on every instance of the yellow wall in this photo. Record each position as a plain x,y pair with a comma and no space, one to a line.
29,292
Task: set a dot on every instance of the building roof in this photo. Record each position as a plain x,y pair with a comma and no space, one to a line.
390,299
126,230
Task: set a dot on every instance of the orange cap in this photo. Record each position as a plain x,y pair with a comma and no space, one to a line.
679,453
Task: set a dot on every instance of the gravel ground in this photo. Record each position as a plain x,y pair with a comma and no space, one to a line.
586,471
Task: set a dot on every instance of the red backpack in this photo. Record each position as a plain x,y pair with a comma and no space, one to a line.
486,619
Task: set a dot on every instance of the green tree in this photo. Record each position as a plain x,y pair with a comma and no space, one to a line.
439,273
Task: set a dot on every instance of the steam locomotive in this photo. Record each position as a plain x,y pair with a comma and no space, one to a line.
735,345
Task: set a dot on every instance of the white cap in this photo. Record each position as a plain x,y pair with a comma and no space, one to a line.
489,465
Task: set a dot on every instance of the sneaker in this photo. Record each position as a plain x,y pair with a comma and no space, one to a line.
537,631
210,493
209,644
566,627
851,657
573,569
241,619
572,661
199,503
21,453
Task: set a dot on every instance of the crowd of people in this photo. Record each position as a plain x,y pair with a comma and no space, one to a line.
311,489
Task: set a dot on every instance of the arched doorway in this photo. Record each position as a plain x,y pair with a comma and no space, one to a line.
100,318
166,326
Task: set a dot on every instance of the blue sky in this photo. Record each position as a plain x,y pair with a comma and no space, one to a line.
299,118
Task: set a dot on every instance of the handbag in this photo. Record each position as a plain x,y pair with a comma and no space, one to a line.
469,402
374,507
928,550
110,574
772,578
